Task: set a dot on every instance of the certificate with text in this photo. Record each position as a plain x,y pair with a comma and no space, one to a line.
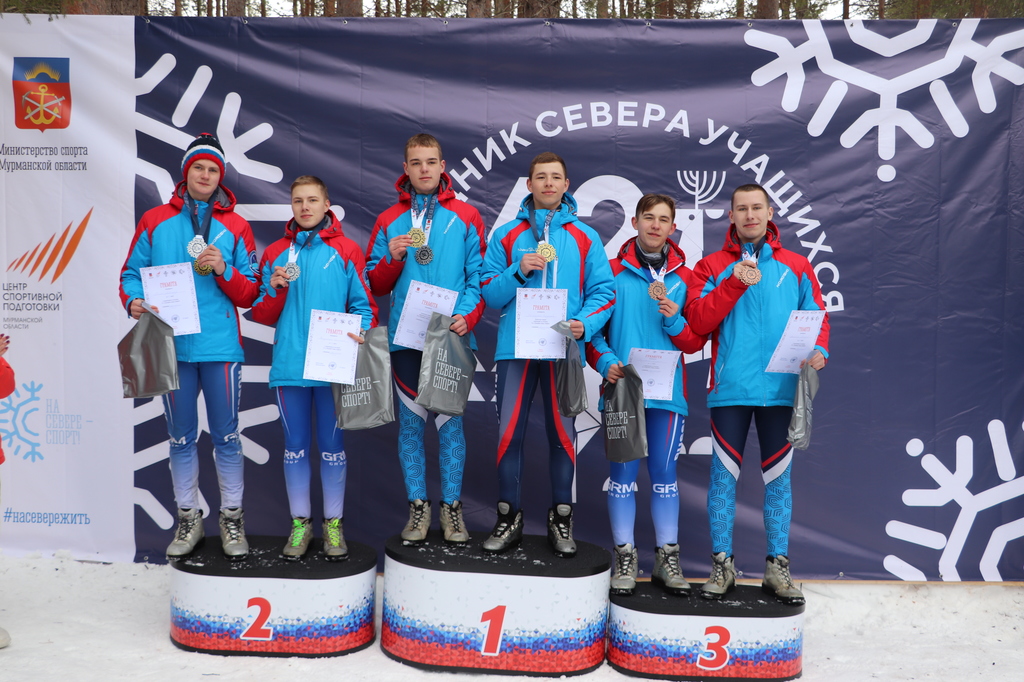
330,351
657,369
421,300
171,289
536,311
797,342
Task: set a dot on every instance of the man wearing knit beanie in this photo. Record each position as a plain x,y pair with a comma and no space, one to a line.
199,227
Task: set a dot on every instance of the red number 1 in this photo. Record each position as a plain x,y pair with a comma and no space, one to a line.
719,653
256,630
495,618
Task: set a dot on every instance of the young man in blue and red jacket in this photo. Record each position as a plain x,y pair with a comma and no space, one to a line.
313,267
651,285
199,226
429,236
546,246
757,284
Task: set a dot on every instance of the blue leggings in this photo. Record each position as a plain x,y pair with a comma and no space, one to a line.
729,427
296,404
221,384
664,439
518,380
412,422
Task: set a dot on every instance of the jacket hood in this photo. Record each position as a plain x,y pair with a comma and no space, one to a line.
291,229
676,257
734,245
222,199
405,190
565,213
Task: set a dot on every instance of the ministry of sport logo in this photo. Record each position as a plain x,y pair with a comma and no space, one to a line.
42,92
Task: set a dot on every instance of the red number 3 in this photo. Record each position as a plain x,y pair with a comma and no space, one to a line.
715,655
256,630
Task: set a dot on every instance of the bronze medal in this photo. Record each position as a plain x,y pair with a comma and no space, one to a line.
424,255
292,271
547,251
418,236
657,290
749,276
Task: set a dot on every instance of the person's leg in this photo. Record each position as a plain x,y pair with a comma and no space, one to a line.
333,472
222,385
664,438
622,515
561,464
181,412
295,405
412,420
452,458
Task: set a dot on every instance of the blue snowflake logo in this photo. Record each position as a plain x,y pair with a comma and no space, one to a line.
14,430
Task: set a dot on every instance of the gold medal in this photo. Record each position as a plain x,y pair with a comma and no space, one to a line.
547,251
418,236
749,276
657,290
202,270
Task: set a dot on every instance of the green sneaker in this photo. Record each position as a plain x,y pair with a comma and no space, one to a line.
298,541
335,548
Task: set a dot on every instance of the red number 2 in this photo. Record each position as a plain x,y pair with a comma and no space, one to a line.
494,618
719,654
256,630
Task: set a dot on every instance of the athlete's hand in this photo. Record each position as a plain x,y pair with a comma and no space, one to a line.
667,307
460,326
742,264
136,309
615,373
817,360
5,341
211,256
398,246
577,329
279,280
356,337
530,262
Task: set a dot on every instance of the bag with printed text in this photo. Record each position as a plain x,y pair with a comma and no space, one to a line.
625,420
367,403
446,370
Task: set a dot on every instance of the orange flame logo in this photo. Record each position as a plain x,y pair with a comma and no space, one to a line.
60,253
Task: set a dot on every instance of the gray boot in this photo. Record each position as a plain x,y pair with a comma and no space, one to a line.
335,547
560,530
452,526
232,533
508,530
416,528
778,582
723,577
667,572
624,571
298,539
188,534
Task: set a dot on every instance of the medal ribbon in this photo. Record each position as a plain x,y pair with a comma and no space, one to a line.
547,238
430,203
293,255
200,230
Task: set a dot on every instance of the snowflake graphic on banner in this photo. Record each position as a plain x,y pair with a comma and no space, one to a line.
236,149
952,487
888,116
15,410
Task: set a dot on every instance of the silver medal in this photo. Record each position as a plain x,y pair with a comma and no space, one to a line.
196,246
292,271
424,255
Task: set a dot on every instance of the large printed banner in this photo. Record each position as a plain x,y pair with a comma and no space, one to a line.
892,152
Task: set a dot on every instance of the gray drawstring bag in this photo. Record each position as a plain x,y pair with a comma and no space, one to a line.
625,422
149,363
570,383
367,403
800,424
446,370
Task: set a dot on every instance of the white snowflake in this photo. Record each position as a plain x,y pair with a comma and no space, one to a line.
952,487
888,116
236,151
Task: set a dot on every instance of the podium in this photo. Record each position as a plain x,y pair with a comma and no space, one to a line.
267,606
748,635
526,611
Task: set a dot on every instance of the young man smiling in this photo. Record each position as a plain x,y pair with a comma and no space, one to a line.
756,284
199,226
431,237
546,246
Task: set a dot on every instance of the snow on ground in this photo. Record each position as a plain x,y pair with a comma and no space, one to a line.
77,622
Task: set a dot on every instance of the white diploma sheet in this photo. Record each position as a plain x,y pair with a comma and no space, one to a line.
657,368
420,301
797,342
172,290
330,351
536,311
